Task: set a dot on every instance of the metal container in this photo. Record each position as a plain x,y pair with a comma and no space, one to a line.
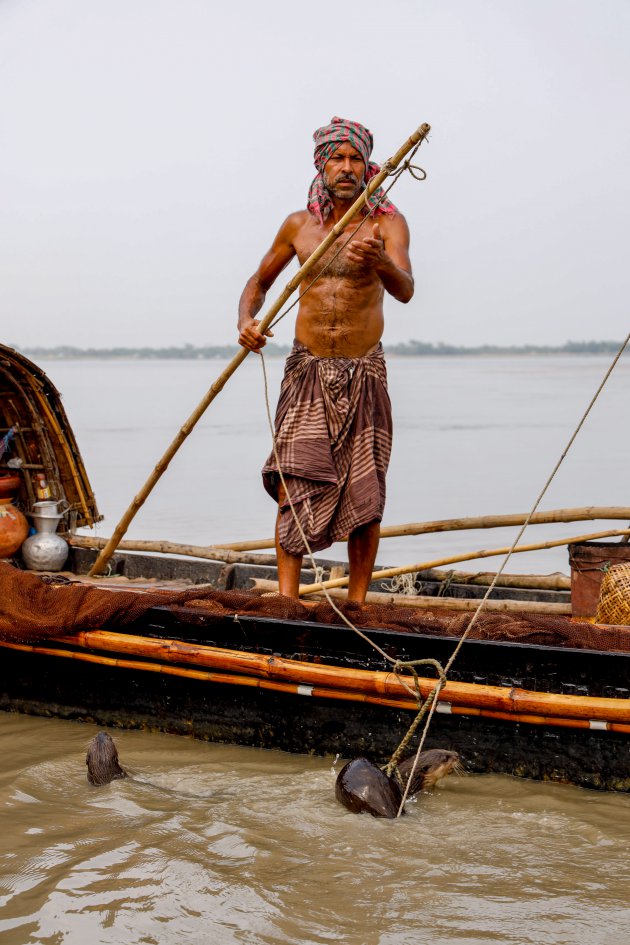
45,551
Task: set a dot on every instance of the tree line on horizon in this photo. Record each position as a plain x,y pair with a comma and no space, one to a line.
411,348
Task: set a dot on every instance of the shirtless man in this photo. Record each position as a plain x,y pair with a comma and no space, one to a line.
333,426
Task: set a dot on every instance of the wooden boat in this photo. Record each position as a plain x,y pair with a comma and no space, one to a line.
267,673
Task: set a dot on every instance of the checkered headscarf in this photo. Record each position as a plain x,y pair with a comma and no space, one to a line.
327,140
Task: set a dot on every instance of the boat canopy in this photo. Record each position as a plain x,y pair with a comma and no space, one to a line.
39,440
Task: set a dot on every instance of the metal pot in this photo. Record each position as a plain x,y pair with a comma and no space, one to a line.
45,551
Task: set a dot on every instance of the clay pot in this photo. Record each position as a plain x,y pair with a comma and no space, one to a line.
13,528
9,485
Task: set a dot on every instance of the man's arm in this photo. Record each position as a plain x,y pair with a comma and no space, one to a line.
280,255
388,254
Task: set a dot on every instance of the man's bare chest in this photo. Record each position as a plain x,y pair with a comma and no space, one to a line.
335,260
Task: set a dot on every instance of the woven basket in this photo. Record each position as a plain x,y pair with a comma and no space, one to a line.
614,597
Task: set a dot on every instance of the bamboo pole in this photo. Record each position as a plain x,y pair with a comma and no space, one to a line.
318,692
421,602
346,680
307,589
207,552
536,582
553,516
550,517
549,582
379,682
541,582
416,138
73,463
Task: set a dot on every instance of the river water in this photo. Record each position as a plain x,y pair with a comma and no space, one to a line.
472,436
220,844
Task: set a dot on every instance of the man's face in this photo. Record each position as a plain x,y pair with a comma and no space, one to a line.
344,171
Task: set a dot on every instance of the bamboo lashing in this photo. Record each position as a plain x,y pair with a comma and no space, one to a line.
415,139
307,589
553,516
384,688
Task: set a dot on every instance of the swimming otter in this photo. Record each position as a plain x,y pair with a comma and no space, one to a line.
102,760
433,765
363,786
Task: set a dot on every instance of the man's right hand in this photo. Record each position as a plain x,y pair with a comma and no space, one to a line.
250,337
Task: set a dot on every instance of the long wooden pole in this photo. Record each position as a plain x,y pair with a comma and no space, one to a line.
549,582
306,589
433,603
238,552
582,514
206,552
342,679
404,701
416,138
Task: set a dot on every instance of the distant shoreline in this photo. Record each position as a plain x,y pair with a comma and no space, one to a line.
412,349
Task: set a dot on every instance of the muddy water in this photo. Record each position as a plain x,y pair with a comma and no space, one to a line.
218,844
221,845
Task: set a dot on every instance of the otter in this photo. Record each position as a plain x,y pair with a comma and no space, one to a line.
362,786
433,765
102,761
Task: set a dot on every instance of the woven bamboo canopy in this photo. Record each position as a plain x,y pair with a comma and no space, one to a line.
43,439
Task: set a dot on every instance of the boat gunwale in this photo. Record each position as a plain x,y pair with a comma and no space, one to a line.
383,631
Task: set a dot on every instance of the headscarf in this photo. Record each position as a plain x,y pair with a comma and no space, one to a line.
327,139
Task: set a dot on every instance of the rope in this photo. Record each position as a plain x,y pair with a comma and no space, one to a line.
446,583
504,563
398,666
395,175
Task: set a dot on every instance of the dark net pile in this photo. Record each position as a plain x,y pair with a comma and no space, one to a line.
32,609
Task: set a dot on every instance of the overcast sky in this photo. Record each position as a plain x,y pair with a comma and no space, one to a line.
149,150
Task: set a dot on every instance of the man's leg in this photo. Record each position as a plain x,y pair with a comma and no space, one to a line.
362,548
289,566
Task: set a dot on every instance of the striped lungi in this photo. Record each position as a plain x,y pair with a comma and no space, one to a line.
334,439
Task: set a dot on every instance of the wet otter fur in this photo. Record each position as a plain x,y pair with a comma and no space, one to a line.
362,786
433,765
102,761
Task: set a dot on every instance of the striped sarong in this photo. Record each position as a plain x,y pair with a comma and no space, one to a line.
333,438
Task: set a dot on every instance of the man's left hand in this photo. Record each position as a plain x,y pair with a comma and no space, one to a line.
369,251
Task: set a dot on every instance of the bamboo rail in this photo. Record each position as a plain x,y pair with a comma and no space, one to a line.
415,139
207,552
307,589
536,582
270,672
553,516
423,602
541,582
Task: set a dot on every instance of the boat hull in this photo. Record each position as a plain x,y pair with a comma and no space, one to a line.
251,716
256,708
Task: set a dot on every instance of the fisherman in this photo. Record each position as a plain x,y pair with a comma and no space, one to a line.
333,421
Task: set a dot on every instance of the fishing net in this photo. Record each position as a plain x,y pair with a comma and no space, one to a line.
33,609
614,596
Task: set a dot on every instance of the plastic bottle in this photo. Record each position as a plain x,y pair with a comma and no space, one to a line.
42,489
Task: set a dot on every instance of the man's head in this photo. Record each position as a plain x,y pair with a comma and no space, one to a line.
344,172
342,158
